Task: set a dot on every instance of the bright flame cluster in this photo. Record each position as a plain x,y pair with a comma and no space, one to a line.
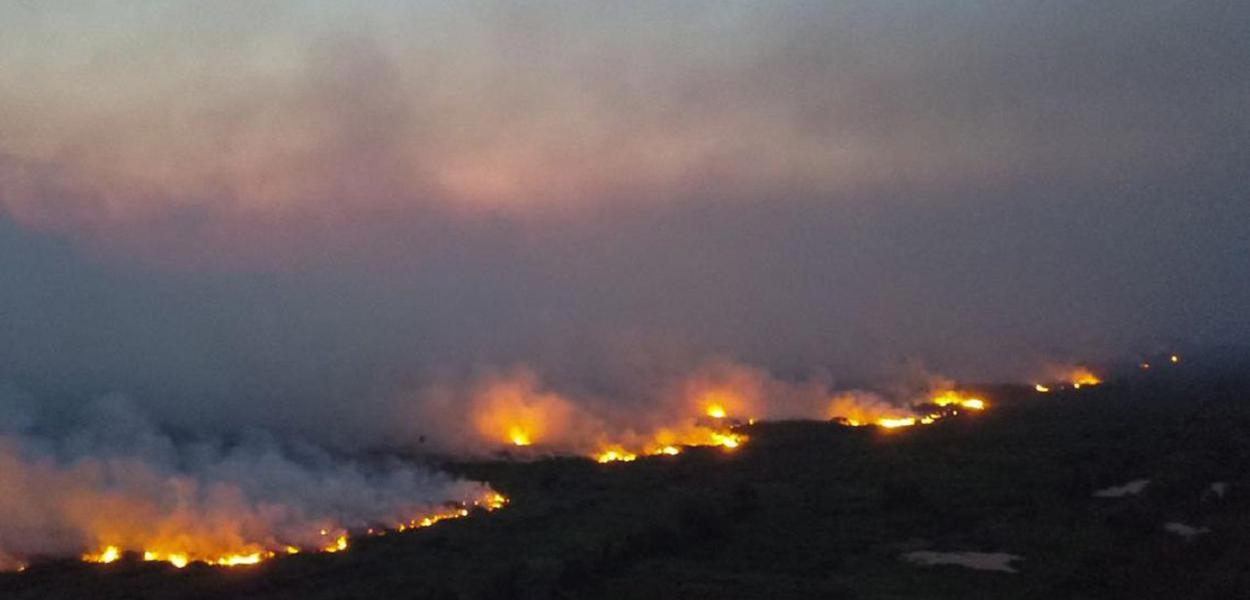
532,421
1082,377
254,554
1076,377
947,402
717,429
952,398
718,433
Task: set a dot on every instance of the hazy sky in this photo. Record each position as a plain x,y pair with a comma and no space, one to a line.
295,211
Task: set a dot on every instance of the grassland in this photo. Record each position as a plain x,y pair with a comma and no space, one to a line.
815,510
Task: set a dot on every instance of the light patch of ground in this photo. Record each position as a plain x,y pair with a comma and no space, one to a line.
1188,532
1131,488
982,561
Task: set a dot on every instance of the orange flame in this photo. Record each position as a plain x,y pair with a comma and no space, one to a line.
1082,376
518,436
857,409
952,398
178,551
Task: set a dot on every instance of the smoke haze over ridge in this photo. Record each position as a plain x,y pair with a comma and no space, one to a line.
304,218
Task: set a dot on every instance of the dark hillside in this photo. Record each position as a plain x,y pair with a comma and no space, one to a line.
815,510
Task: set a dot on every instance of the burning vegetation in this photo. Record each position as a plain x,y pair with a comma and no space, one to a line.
107,485
244,506
1061,377
858,409
714,425
513,413
182,548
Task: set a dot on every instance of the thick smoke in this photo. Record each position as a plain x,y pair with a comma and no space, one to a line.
106,476
516,408
350,221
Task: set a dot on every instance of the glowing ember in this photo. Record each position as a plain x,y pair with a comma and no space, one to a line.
1041,388
1174,358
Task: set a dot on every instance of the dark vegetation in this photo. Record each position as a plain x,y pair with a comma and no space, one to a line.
815,510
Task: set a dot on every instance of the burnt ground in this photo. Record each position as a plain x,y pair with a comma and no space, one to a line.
815,510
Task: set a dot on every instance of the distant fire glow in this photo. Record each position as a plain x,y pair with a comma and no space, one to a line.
1059,377
1082,376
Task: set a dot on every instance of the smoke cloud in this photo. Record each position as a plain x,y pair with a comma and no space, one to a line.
108,477
361,223
517,410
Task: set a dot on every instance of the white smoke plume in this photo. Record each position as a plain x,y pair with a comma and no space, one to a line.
107,476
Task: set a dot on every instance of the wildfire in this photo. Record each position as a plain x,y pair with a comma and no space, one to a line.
696,436
254,554
243,559
1082,376
727,440
1063,376
895,423
952,398
518,436
860,408
714,428
338,545
107,555
615,456
180,560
